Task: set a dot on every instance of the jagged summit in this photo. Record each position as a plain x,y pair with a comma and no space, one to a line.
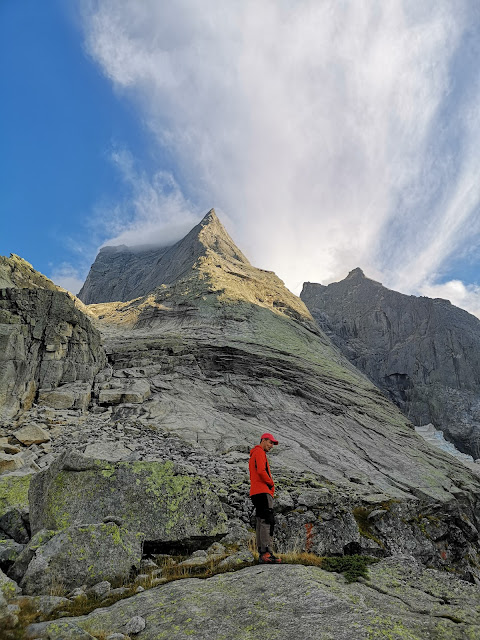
356,273
204,265
424,352
123,273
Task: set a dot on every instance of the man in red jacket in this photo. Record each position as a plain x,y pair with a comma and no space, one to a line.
262,489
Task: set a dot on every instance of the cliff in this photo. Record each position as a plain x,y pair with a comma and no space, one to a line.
424,353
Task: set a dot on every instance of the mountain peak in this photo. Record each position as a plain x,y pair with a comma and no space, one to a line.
213,236
123,273
210,218
355,273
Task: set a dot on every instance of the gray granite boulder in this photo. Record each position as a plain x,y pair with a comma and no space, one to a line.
148,496
17,570
85,554
14,523
9,552
8,587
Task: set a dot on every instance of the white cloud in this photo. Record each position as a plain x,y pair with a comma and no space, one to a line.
67,276
155,212
334,134
461,295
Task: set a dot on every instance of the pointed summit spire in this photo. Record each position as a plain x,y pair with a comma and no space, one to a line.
356,273
209,217
213,235
131,273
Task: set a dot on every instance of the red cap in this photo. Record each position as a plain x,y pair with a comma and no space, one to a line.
268,436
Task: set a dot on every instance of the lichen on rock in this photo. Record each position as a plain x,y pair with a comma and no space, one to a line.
148,496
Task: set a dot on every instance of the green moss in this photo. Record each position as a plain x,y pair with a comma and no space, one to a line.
353,567
387,628
364,525
14,492
8,589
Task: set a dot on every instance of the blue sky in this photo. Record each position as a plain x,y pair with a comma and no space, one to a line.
328,135
59,123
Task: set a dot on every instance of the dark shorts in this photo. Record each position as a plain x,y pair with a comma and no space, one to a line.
262,506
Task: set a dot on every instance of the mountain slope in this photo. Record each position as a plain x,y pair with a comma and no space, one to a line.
228,352
197,369
425,353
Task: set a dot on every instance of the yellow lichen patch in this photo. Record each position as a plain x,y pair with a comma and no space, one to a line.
14,492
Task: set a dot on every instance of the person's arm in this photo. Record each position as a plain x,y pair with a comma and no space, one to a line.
259,462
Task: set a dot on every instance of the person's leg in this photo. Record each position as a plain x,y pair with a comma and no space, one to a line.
264,539
260,502
269,522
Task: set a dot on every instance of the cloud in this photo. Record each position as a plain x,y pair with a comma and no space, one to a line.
154,212
459,294
334,134
67,276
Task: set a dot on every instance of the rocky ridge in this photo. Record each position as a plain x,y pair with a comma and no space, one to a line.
194,371
45,341
424,353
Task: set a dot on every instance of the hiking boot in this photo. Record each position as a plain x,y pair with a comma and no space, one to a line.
268,558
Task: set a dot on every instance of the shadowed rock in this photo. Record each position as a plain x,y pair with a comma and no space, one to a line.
425,353
45,339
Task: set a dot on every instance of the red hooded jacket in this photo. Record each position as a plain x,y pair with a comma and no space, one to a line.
261,480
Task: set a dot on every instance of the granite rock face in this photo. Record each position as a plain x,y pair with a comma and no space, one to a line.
123,273
424,353
401,600
17,273
210,354
45,339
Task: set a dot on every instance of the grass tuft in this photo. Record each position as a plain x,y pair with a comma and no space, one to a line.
353,567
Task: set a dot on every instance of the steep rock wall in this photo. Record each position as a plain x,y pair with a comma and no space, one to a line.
45,341
425,353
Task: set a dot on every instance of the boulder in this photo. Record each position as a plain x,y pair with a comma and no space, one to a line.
111,451
32,434
8,619
85,554
14,492
14,523
147,496
135,391
10,462
9,551
8,587
58,630
17,570
67,396
45,605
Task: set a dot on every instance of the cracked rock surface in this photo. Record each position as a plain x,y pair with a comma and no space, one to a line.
401,600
